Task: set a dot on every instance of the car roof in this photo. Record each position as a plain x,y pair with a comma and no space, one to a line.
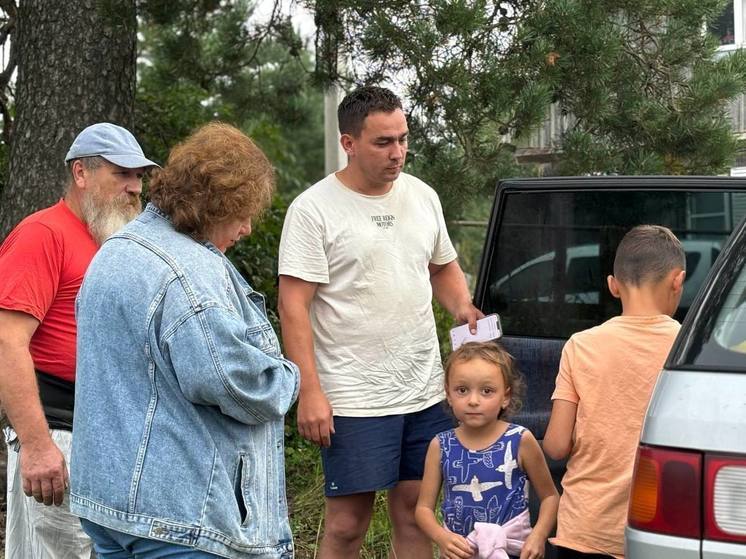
622,182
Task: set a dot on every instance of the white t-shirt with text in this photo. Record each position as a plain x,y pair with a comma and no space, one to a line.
374,332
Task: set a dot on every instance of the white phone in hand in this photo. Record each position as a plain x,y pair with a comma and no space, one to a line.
488,328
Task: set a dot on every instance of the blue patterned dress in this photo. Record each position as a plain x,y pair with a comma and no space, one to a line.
482,485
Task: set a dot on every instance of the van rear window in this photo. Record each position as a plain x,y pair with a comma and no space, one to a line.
546,275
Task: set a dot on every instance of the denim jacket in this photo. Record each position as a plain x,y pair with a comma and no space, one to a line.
180,396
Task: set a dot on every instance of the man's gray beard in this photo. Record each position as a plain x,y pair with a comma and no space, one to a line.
104,219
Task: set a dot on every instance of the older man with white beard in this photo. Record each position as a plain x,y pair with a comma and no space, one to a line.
42,264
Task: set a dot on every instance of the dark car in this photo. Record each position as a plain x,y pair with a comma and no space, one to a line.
565,230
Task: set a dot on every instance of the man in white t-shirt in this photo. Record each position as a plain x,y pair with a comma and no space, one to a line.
362,253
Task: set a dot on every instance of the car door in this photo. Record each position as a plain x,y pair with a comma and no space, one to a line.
550,246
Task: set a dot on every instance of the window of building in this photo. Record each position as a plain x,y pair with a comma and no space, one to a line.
729,27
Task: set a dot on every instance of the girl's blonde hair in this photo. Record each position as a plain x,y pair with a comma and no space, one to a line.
492,352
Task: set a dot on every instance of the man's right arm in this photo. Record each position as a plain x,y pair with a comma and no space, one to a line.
43,468
315,421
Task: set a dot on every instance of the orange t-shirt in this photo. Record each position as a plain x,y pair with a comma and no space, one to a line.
609,371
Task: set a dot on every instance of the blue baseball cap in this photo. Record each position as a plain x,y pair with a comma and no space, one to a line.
114,143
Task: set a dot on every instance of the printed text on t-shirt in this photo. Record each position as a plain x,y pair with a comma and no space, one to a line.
383,221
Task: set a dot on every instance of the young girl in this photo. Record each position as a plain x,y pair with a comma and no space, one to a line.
483,465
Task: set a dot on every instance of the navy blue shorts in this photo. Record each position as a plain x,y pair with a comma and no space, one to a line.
374,453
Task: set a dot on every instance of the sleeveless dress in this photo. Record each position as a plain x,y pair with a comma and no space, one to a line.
482,485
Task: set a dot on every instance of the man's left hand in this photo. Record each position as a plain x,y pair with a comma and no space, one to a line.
43,471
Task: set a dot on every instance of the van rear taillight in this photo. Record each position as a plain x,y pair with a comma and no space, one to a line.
666,492
725,498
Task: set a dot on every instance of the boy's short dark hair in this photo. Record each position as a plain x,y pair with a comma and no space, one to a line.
360,103
648,253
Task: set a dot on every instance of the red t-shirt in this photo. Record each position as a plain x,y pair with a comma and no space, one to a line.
42,264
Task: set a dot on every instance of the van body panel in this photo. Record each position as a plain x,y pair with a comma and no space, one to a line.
722,550
659,546
692,410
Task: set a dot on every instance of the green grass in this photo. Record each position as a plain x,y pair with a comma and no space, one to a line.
305,485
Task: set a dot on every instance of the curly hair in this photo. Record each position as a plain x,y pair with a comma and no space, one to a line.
216,174
493,353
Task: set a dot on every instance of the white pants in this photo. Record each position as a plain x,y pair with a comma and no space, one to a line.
34,530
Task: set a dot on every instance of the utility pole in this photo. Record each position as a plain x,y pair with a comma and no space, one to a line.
334,156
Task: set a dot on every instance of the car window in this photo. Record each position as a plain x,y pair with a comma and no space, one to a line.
531,282
583,275
693,258
718,341
554,250
730,324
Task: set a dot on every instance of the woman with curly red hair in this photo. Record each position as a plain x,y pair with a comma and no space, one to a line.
183,389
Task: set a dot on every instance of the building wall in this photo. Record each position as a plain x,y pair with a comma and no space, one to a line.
547,139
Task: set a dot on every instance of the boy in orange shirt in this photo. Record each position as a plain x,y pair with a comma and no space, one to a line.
605,380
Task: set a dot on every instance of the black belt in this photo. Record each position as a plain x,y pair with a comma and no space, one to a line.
57,399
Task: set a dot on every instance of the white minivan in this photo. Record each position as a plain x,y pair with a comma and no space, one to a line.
688,498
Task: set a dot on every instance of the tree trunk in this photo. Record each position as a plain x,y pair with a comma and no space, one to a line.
76,67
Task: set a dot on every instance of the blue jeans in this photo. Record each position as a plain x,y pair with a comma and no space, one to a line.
110,544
